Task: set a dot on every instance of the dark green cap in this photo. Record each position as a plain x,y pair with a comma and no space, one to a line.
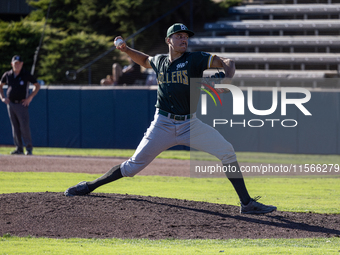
178,27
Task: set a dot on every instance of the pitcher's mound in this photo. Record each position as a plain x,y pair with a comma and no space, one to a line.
126,216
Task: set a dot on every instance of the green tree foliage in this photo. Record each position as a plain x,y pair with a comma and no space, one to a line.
71,52
18,38
125,17
60,51
61,15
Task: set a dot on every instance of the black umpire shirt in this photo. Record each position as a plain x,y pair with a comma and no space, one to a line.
18,86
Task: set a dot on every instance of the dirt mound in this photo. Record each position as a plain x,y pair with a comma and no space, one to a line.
126,216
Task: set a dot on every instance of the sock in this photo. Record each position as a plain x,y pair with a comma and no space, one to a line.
112,175
236,179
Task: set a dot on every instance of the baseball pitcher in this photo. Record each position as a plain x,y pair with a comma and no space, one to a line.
175,121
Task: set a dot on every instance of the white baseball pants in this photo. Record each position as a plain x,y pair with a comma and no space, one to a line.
165,133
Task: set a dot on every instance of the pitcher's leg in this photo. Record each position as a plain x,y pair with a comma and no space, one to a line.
112,175
236,178
205,138
127,169
159,137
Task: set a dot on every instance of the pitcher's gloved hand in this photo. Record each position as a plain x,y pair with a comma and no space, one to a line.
218,79
220,75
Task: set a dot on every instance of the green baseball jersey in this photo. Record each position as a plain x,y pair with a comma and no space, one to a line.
174,86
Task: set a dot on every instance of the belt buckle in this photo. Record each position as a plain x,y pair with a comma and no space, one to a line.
180,117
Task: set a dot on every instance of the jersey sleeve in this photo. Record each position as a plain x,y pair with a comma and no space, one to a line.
203,60
200,62
154,62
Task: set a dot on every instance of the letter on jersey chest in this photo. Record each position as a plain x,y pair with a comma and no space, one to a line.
174,77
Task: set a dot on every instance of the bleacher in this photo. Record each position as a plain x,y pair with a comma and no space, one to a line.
264,43
271,11
282,38
268,59
280,27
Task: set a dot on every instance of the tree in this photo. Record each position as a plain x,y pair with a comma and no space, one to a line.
60,51
18,38
72,52
125,17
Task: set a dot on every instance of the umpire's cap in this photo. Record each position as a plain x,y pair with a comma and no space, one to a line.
16,58
178,27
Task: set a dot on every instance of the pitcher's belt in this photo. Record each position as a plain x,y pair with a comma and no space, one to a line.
174,116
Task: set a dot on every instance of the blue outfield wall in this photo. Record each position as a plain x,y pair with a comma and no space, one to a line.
86,117
106,117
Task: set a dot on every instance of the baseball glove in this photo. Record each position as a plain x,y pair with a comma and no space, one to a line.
217,78
219,75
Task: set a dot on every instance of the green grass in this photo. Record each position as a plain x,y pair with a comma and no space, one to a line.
42,151
245,157
302,194
16,245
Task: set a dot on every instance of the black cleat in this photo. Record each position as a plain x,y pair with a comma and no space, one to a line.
17,152
80,189
255,207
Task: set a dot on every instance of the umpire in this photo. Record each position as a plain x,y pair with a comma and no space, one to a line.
17,100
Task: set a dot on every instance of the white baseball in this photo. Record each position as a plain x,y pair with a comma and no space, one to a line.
118,42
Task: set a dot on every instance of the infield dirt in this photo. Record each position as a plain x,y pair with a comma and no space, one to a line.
127,216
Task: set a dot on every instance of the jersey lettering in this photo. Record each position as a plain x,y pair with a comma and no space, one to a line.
167,78
185,77
160,78
173,77
176,77
179,76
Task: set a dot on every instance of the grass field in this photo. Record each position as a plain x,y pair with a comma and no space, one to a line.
317,246
245,157
301,194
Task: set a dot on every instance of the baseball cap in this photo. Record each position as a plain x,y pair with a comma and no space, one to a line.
178,27
16,58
